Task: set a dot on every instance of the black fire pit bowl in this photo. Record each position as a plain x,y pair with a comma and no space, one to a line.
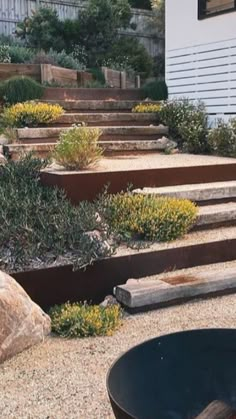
175,376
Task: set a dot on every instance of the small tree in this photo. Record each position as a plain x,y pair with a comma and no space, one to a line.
99,25
43,30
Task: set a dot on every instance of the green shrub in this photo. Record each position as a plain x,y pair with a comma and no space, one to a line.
82,320
30,114
20,89
98,75
20,54
78,148
4,54
43,30
134,53
187,122
155,90
39,226
222,138
149,217
65,60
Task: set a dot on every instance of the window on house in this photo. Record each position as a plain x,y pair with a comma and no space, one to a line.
207,8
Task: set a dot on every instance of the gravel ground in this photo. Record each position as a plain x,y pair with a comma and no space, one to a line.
66,378
150,161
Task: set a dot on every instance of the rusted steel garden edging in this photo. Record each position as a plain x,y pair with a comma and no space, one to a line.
87,185
60,284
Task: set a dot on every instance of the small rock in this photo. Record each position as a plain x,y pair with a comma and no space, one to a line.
96,236
109,301
166,143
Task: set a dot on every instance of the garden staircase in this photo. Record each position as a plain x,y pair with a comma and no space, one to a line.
122,130
214,229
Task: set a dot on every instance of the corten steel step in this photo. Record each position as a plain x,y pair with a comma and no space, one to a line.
159,290
96,105
107,119
51,134
195,192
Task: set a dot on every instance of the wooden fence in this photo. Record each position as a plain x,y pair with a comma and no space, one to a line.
14,11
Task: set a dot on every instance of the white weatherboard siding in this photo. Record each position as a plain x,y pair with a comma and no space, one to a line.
201,56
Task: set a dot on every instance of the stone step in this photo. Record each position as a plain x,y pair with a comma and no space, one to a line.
199,192
51,134
217,214
107,119
96,105
43,149
178,287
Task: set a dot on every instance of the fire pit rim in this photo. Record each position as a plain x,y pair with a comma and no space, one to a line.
181,332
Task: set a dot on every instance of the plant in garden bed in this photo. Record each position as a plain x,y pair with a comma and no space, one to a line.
30,114
83,320
78,148
187,122
222,138
147,108
39,226
149,217
20,89
155,90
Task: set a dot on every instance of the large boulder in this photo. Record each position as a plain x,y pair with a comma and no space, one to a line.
22,322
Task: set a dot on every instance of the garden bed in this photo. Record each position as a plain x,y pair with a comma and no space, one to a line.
58,284
118,174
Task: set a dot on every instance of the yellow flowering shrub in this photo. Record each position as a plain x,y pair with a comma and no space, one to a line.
31,114
147,108
83,320
149,217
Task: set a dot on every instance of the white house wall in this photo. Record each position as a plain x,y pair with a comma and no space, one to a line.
201,56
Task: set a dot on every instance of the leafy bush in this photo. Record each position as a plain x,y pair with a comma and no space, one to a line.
100,22
39,226
98,75
222,138
65,60
149,217
187,122
20,54
4,54
147,108
20,89
78,148
155,90
136,55
31,114
82,320
43,30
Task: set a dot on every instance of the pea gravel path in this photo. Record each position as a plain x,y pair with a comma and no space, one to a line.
66,378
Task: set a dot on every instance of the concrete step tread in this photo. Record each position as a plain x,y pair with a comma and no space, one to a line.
195,192
216,214
181,285
218,208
